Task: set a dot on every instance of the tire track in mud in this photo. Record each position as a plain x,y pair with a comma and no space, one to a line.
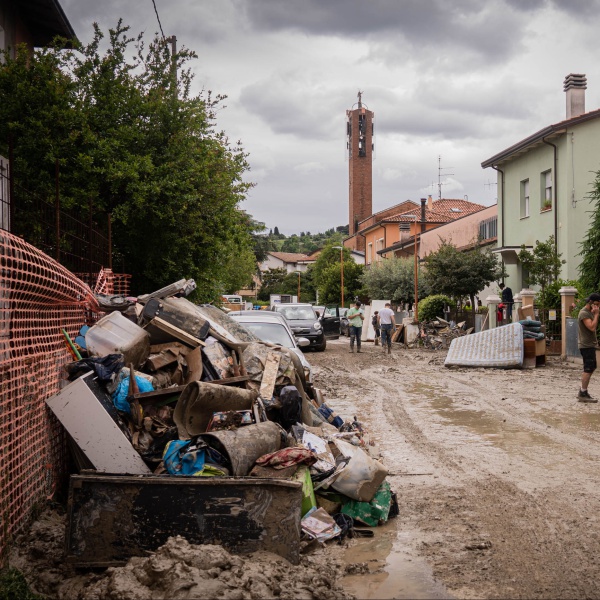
543,542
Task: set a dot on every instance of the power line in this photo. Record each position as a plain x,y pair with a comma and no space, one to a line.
158,19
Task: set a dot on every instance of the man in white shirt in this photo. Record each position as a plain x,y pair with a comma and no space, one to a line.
387,323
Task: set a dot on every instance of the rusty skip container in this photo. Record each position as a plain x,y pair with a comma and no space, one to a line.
111,518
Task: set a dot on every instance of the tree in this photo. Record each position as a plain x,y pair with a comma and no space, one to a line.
542,264
589,269
327,275
393,279
458,274
129,135
272,283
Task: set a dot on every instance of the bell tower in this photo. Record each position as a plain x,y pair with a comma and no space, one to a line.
360,145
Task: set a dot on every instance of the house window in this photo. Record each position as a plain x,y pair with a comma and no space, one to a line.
524,198
379,246
369,253
546,188
488,229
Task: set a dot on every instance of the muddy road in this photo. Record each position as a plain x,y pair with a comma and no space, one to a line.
497,476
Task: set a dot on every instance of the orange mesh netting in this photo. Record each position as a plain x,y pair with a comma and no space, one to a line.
38,298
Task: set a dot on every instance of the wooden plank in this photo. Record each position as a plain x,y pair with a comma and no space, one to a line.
161,332
230,380
269,378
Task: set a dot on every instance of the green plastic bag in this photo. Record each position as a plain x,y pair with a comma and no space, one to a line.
371,513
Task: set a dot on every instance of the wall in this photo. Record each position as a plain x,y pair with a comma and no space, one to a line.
460,232
578,151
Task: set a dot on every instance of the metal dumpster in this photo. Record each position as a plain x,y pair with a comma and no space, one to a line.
114,517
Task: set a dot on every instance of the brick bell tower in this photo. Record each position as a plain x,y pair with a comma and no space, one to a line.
360,146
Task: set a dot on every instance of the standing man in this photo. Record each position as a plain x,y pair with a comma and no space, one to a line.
507,300
375,323
588,342
356,316
387,322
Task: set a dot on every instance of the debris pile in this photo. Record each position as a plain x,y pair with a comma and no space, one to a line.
227,438
439,333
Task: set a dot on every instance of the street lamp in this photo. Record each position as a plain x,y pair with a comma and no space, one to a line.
341,249
298,286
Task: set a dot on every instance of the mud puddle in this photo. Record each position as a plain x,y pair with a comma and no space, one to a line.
484,428
386,567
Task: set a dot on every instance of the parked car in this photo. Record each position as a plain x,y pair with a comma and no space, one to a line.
272,327
344,327
303,322
331,321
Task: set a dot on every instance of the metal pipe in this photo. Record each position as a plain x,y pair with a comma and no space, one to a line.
554,193
57,208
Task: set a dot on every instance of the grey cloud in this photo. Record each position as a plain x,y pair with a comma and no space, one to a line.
467,24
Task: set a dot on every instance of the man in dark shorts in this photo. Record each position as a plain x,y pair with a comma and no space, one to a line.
588,342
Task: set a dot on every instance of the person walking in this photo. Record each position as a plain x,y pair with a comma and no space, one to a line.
387,323
375,323
356,316
588,342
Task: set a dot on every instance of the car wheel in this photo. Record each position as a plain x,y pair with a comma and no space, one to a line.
322,347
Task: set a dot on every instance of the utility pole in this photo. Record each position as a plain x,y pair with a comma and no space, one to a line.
173,41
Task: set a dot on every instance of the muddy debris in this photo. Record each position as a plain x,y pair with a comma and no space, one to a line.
177,569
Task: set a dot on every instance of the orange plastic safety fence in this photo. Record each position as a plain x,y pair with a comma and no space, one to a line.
107,282
38,298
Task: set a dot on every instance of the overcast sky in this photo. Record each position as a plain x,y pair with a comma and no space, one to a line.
460,79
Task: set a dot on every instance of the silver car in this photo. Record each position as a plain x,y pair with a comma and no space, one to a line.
272,327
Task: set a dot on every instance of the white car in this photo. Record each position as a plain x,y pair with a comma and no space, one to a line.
273,327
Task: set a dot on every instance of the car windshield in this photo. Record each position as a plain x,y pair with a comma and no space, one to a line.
293,313
276,333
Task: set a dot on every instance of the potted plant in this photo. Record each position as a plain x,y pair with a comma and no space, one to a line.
547,205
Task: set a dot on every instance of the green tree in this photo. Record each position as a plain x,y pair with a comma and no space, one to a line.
393,279
131,137
542,264
327,275
589,269
450,272
272,282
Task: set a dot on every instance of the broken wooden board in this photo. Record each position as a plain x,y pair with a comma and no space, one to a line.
269,378
398,333
162,332
111,518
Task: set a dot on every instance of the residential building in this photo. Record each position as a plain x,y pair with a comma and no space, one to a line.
395,235
290,261
32,22
543,186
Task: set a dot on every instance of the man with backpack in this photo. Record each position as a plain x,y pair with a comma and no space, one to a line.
375,323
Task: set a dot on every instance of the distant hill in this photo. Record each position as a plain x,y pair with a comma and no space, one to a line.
305,241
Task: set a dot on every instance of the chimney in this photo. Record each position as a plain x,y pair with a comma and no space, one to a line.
429,202
423,217
575,86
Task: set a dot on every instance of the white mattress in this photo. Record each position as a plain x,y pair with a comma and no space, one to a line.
501,347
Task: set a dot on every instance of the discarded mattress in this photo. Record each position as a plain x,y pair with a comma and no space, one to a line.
501,347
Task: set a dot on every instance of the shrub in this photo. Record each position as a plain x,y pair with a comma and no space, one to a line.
550,298
433,307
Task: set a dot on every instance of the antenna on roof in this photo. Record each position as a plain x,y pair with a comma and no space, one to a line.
440,169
